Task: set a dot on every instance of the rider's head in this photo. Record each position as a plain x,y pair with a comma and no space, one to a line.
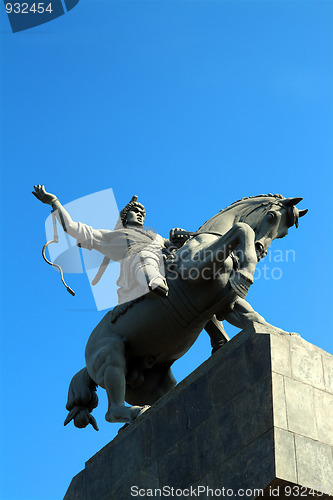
133,214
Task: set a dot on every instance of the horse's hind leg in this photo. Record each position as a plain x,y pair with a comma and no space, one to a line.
109,366
157,381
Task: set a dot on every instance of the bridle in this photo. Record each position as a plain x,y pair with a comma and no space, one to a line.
265,212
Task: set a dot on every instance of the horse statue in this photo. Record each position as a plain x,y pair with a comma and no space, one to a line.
131,350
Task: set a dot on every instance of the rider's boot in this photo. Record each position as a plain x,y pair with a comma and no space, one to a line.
159,286
151,276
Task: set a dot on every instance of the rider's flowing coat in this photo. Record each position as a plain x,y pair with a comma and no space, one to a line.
133,248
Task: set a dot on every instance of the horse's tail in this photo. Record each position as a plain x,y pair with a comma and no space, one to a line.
82,399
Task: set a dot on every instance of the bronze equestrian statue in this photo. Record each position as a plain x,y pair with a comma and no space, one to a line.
131,350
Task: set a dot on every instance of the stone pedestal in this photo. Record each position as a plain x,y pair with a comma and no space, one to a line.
254,420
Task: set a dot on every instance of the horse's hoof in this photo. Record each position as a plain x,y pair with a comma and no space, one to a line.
295,334
142,411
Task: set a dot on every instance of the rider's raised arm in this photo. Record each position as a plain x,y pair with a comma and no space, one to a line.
86,236
113,244
66,221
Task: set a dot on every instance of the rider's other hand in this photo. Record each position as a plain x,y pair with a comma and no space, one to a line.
173,234
178,235
43,196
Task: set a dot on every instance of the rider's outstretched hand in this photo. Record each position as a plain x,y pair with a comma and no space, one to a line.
43,196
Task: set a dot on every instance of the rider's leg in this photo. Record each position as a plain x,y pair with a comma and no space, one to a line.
148,273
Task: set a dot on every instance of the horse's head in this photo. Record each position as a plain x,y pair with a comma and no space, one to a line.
275,218
269,215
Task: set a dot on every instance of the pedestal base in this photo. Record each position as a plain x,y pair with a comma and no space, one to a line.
254,421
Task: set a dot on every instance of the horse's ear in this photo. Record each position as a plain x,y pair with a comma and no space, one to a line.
302,212
291,202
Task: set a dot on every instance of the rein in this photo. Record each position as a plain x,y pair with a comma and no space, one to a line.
56,240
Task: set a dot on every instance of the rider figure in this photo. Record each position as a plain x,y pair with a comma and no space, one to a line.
138,250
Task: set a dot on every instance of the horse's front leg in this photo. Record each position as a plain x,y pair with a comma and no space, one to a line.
240,239
242,315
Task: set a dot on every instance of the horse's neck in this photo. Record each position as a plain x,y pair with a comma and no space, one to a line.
222,222
250,213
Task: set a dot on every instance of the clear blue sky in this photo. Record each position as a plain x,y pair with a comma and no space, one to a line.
189,104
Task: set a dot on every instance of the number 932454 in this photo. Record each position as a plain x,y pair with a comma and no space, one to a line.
24,8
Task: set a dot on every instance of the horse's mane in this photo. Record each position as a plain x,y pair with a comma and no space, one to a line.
269,195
